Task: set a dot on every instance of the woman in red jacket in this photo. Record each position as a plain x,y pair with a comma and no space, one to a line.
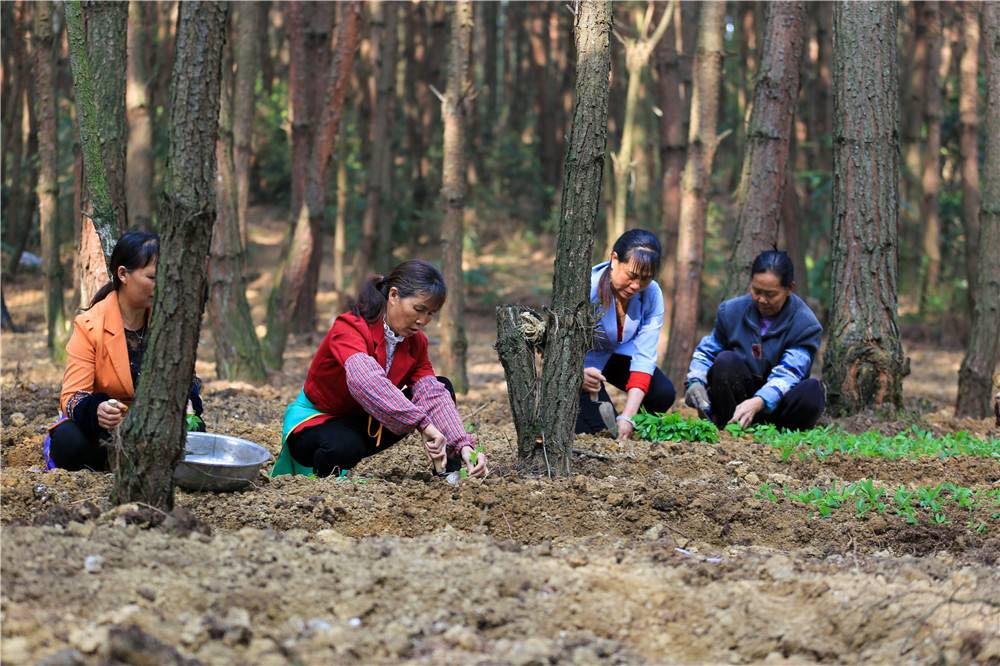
371,383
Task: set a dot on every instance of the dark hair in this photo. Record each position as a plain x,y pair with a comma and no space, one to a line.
134,250
777,262
409,278
635,245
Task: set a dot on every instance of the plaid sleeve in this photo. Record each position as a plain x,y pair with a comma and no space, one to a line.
367,383
432,395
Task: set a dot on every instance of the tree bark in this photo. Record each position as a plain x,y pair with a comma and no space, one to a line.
864,365
540,69
237,349
974,377
912,117
294,272
139,153
48,180
969,139
455,111
490,31
339,229
768,143
637,53
100,98
153,434
702,143
18,122
244,105
930,181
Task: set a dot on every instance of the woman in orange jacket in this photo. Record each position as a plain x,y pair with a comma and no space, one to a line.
105,357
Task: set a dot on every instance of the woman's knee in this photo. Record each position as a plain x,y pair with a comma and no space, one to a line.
448,385
70,449
661,394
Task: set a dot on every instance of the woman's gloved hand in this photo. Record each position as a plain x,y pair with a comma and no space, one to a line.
696,396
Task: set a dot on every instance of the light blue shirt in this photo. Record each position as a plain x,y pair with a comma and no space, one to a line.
640,333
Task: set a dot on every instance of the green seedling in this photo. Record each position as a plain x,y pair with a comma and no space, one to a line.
474,459
766,492
672,427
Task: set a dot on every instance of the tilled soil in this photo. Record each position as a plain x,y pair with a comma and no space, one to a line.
648,554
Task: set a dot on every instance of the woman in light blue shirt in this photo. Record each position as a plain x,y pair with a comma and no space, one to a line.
630,310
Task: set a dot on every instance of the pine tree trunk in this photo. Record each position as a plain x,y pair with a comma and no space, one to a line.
864,365
139,153
702,143
490,31
969,139
244,106
541,51
912,116
153,434
6,323
386,91
264,42
48,179
768,143
339,229
15,122
984,342
100,104
454,110
237,349
570,321
293,276
930,181
300,75
791,225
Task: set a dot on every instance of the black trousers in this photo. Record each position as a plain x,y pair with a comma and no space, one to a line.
659,398
73,449
340,444
730,382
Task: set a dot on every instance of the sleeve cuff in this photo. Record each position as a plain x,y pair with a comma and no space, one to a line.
770,396
639,380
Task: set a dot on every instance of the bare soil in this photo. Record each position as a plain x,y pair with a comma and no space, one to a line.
648,554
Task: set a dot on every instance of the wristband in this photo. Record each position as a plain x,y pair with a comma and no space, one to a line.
622,417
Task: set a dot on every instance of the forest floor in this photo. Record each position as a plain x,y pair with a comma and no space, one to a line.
647,554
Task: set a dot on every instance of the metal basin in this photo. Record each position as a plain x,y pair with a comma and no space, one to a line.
219,462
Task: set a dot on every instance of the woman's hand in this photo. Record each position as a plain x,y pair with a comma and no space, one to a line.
479,469
110,413
746,410
625,427
592,380
434,446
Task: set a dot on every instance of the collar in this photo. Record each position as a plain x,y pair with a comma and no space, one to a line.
390,335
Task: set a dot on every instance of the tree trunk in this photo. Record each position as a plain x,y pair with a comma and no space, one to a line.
17,127
339,229
139,154
791,224
48,180
968,141
545,416
674,100
702,143
264,46
153,435
984,341
912,117
237,349
454,110
100,104
293,275
540,56
244,106
490,31
930,181
864,365
769,136
637,53
376,225
6,323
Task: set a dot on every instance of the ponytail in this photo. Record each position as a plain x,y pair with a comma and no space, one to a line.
371,300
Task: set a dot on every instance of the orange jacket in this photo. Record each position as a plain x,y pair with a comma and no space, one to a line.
97,354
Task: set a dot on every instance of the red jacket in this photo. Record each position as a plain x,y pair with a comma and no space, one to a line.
326,381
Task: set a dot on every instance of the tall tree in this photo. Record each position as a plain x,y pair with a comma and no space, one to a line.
100,104
545,417
48,178
237,349
139,153
930,180
768,144
863,365
455,111
981,359
376,225
702,144
968,112
153,435
638,50
541,54
20,133
294,272
244,105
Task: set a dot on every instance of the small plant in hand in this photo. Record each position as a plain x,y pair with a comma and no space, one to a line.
474,459
865,496
672,427
821,443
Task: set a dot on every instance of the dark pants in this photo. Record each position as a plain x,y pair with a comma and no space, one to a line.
730,382
340,444
659,397
74,450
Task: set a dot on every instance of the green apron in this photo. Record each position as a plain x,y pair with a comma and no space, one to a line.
297,413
